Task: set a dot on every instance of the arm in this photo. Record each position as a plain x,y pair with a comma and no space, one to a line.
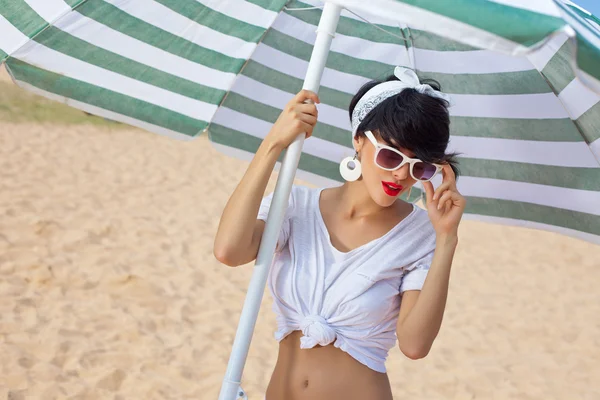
421,312
239,234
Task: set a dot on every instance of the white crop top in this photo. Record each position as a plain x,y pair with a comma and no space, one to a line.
349,299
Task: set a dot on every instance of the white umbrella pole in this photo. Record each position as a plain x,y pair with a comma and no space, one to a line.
243,337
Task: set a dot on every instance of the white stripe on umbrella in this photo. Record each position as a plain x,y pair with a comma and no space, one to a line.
116,42
242,11
168,20
561,154
49,10
577,98
528,106
469,62
54,61
585,201
595,147
534,225
11,38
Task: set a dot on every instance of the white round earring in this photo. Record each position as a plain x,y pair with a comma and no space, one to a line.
350,168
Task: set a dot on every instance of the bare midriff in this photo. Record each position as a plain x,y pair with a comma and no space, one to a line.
323,373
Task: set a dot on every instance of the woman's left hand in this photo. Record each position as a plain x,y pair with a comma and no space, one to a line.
445,205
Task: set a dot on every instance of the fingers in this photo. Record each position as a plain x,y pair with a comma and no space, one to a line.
448,175
304,95
428,191
307,109
451,199
448,206
446,197
302,126
442,188
303,115
308,118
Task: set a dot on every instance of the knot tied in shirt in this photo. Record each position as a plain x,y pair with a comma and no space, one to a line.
316,330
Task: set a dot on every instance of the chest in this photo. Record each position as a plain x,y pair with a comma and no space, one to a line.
347,234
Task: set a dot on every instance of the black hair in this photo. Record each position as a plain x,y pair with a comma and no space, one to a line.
412,120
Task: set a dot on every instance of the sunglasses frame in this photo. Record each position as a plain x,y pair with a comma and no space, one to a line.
406,159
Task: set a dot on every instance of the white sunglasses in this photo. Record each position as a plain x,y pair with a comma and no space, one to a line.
390,159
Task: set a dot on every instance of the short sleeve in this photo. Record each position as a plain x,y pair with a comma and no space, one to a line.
416,273
263,213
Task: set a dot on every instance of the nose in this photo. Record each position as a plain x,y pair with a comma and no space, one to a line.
402,173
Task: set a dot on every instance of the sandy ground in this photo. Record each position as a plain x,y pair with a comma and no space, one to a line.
109,289
4,77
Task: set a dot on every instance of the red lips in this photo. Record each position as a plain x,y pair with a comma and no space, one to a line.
391,189
392,185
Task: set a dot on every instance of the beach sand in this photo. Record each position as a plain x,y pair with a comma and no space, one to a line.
4,77
109,288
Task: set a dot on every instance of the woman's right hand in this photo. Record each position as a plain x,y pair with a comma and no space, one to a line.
296,118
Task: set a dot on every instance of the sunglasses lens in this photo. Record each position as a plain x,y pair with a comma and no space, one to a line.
423,171
389,159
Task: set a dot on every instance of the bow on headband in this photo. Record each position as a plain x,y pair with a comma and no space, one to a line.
371,99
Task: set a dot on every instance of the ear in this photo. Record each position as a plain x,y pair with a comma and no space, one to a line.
358,142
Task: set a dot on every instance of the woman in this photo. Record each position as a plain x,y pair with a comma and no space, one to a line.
356,267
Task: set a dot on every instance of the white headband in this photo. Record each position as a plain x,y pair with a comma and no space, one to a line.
371,99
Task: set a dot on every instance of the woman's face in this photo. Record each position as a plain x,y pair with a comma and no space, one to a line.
383,185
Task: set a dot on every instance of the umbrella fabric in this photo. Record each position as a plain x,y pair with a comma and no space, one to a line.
162,65
525,121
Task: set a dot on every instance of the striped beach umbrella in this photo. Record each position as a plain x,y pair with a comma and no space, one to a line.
525,78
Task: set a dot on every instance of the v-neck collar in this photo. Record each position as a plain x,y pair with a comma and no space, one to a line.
321,222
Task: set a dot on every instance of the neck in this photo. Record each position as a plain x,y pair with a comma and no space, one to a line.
355,202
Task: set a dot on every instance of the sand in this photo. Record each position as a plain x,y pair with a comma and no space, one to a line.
109,289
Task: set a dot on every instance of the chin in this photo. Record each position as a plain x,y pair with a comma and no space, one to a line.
382,199
388,201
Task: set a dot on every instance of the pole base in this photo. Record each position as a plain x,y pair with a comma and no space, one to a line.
241,395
